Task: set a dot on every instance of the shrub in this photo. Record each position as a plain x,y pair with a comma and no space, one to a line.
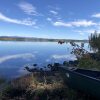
88,63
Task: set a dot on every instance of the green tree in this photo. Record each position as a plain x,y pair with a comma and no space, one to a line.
94,41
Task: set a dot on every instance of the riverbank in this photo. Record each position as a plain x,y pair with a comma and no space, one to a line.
39,86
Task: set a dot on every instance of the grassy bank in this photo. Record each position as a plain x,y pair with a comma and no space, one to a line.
39,86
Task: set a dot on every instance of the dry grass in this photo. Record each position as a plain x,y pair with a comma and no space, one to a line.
22,82
41,86
47,82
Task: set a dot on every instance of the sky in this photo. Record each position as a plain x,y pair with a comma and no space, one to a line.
66,19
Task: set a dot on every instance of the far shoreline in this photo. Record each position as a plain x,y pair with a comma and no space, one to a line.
34,39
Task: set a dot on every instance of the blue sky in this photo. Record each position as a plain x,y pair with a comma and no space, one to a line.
70,19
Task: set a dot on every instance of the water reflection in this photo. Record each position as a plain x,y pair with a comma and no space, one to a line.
15,55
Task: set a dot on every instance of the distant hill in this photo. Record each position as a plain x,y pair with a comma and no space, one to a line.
34,39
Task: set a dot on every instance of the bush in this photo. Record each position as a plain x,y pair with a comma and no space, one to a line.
88,63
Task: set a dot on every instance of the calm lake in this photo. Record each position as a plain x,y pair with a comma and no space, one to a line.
14,56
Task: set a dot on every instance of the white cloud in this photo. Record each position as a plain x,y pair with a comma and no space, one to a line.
59,23
78,23
89,31
83,32
28,8
53,12
84,23
97,15
27,21
26,56
49,19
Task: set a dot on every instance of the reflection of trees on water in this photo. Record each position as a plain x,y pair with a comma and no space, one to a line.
77,50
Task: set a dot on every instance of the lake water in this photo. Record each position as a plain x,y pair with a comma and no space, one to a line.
14,56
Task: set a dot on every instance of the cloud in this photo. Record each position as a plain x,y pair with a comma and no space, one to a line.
59,23
88,31
27,22
84,23
49,19
78,23
26,56
28,8
97,15
53,12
